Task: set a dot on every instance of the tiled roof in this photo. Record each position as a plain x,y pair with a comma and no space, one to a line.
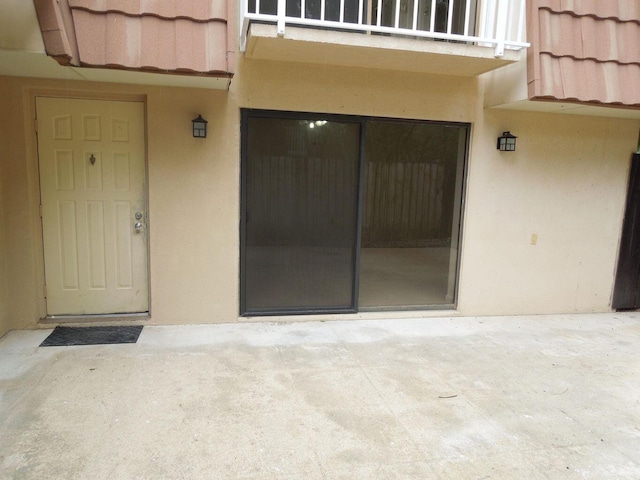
585,51
623,10
169,36
196,10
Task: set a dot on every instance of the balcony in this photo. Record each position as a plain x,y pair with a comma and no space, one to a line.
449,37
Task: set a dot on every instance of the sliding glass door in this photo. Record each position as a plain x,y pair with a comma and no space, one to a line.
344,213
300,180
411,213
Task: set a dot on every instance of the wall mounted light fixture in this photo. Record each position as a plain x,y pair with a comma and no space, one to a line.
199,127
507,142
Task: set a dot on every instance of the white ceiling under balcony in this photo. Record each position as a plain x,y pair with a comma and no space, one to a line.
309,45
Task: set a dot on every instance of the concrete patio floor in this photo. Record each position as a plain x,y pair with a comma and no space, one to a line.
535,397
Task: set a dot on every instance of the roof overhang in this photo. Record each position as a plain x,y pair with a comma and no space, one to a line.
507,89
571,108
44,39
39,65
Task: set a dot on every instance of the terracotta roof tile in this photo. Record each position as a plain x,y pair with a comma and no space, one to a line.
624,10
197,10
588,81
58,34
585,51
117,40
176,36
588,37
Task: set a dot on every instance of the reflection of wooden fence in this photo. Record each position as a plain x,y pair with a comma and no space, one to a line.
301,200
403,204
311,201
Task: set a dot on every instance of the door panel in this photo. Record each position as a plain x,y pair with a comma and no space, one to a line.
300,222
411,213
92,181
626,293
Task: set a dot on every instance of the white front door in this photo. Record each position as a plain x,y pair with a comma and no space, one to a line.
92,183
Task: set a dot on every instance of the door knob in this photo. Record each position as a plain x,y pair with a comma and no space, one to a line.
138,227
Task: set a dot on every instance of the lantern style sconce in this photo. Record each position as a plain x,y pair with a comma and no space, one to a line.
199,127
507,142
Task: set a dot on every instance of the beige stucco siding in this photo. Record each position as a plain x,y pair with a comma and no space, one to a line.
193,200
193,207
4,304
354,91
20,246
566,183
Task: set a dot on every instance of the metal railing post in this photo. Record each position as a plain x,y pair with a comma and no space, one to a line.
450,18
501,26
244,24
521,21
414,23
467,17
282,12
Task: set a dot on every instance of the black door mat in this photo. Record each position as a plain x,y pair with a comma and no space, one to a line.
67,336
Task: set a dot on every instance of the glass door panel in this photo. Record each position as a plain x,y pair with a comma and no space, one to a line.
300,196
411,213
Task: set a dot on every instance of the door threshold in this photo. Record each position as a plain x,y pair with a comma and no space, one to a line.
446,307
116,318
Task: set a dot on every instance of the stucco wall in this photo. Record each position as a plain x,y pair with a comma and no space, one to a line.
565,183
193,200
21,244
193,207
354,91
4,313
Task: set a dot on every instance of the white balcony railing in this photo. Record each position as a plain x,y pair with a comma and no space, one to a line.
488,23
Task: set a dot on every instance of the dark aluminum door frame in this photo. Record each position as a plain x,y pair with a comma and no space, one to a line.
362,121
246,114
626,292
